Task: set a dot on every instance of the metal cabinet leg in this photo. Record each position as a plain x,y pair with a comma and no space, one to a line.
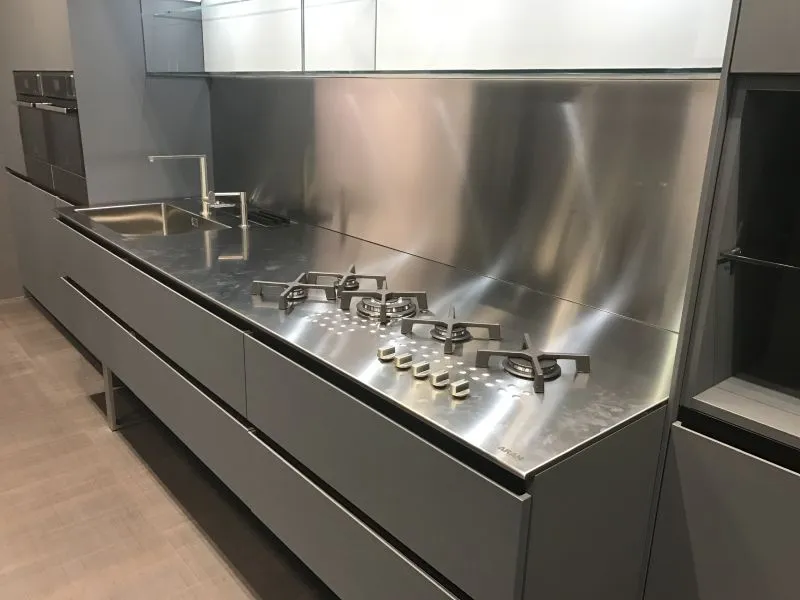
111,401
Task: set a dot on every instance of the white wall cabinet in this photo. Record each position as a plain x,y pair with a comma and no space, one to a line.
440,35
252,35
431,35
340,35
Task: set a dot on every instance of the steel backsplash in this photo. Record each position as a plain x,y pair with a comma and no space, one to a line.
586,188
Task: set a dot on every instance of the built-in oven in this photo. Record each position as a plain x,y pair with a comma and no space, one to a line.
51,134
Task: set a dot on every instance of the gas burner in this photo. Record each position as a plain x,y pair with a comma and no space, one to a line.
293,291
538,366
384,305
347,281
450,330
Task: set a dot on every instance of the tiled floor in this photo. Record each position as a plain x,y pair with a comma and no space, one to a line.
90,514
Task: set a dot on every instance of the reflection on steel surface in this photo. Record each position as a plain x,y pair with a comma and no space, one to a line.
585,188
502,418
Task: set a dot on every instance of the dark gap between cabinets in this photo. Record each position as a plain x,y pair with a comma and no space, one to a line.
396,414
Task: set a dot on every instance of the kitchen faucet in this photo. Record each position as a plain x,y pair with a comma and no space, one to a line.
208,197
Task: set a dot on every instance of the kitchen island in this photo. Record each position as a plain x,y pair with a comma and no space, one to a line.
384,485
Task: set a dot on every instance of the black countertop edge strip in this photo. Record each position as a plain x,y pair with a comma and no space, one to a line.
752,443
296,464
27,179
445,443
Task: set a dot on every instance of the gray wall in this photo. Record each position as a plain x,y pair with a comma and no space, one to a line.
126,116
34,34
586,188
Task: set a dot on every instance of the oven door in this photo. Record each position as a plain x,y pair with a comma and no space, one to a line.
32,128
66,151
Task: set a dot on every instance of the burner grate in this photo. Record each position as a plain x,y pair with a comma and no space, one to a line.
293,291
450,329
383,304
527,364
347,281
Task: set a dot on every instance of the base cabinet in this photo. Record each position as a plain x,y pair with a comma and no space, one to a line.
343,552
727,525
33,212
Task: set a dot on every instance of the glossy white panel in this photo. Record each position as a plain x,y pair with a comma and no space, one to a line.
340,35
252,35
543,34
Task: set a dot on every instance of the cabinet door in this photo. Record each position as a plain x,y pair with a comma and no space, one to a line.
727,526
543,34
339,36
767,39
252,35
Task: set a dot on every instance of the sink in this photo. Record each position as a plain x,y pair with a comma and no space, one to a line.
149,219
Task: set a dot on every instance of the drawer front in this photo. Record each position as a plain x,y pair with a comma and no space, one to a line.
204,345
33,217
217,439
351,559
445,512
727,525
348,556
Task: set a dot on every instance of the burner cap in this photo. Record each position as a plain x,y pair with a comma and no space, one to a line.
350,283
520,367
395,309
460,333
298,293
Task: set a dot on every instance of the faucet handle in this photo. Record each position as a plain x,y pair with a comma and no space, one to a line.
242,205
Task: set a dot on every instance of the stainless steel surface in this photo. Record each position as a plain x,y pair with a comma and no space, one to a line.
24,104
585,188
203,162
451,330
110,397
62,110
149,219
503,419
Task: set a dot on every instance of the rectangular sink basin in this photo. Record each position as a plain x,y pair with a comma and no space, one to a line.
149,219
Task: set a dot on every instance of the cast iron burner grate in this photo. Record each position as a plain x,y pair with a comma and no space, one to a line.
383,304
293,291
450,330
347,281
539,366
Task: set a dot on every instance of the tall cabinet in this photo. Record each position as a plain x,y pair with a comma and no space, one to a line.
727,525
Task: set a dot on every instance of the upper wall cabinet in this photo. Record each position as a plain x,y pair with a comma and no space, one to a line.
252,36
234,36
767,39
339,35
458,35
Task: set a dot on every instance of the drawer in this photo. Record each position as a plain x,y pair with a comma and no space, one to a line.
215,437
198,341
727,525
350,558
464,525
343,552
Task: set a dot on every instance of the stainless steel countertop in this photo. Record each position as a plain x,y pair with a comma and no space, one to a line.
502,418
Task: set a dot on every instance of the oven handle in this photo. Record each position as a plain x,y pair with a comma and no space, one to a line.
56,109
24,104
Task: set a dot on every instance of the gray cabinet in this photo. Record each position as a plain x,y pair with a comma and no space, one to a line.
33,212
349,557
767,39
727,525
204,345
445,512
